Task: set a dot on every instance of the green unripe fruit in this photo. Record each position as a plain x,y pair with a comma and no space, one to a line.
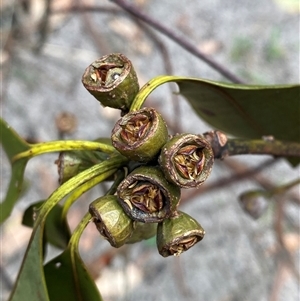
139,135
112,80
187,160
111,221
177,234
146,196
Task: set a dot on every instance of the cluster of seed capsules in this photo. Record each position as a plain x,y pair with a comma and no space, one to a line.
146,201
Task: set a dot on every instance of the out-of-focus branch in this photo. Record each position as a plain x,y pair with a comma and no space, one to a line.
240,175
43,27
279,231
262,180
178,39
162,29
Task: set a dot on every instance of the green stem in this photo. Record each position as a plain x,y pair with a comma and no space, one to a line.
74,247
275,148
150,86
74,240
61,145
120,175
82,189
76,181
35,246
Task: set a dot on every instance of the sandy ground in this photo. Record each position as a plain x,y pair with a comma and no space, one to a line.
239,258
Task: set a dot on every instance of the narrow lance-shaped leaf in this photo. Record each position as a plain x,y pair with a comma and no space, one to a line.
70,163
19,152
30,284
12,144
56,229
241,110
246,111
68,273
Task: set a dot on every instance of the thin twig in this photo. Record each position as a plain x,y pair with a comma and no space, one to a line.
224,147
262,180
43,27
162,29
95,34
226,181
274,148
278,282
278,228
178,39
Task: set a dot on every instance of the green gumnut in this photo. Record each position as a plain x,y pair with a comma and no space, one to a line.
146,196
142,231
177,234
139,135
71,163
111,221
112,81
187,160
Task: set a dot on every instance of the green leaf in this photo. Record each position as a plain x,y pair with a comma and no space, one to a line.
69,281
30,284
246,111
56,229
19,152
14,189
71,163
240,110
12,144
68,273
31,274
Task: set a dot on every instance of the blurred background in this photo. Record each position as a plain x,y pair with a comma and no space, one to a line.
46,46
